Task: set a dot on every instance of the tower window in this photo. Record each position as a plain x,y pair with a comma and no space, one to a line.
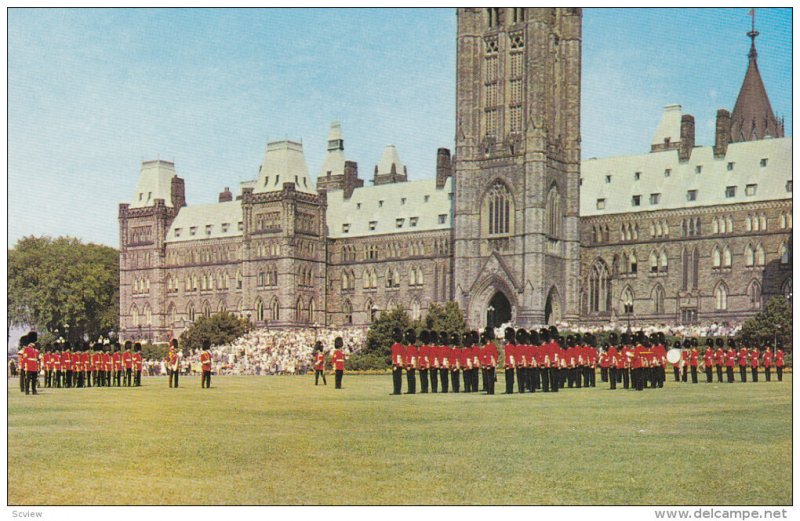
427,198
498,208
402,200
763,161
750,189
789,185
608,179
691,195
730,166
637,176
667,172
636,200
399,222
413,221
698,169
380,204
358,206
601,204
730,191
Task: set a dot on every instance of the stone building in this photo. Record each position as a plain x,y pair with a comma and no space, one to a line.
513,227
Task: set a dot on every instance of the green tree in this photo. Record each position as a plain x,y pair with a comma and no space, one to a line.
447,317
53,283
774,321
379,336
220,328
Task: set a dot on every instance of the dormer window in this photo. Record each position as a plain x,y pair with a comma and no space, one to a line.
358,206
601,204
637,176
667,172
373,225
413,221
698,169
225,227
193,230
403,200
346,228
241,225
177,232
149,195
730,166
141,195
277,178
399,222
380,204
608,179
427,198
763,161
208,229
442,218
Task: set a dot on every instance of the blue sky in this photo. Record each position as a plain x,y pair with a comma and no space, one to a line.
92,93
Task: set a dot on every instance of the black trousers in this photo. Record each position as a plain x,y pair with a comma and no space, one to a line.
108,379
694,374
23,381
443,373
423,380
780,373
173,378
638,378
128,372
434,380
456,381
743,373
205,380
318,373
338,378
485,373
397,379
592,372
411,379
685,373
466,374
509,380
138,378
604,374
729,370
119,378
626,375
555,377
536,378
709,375
545,374
521,379
754,372
88,378
767,373
612,376
30,381
490,371
571,377
719,374
475,377
677,371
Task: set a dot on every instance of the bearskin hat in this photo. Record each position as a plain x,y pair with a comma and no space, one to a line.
466,339
731,342
709,341
411,336
625,339
719,342
695,343
33,337
522,336
677,344
510,334
534,338
128,345
544,334
397,334
612,338
174,343
338,343
553,331
687,343
474,337
206,345
489,332
661,337
444,338
137,347
570,340
425,336
455,339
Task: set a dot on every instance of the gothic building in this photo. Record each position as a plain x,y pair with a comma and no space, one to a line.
513,227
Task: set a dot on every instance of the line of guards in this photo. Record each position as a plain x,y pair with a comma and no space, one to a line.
692,361
101,365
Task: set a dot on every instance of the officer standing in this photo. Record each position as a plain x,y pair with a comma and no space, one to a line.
137,363
779,361
205,365
319,364
767,363
337,361
465,362
398,355
127,363
411,360
730,362
754,356
31,356
174,363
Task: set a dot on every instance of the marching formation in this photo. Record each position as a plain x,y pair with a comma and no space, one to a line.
715,358
65,366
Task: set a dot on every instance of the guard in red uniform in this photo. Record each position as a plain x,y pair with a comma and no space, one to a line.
465,360
719,358
337,361
410,360
66,364
23,343
444,359
544,359
743,359
694,358
434,359
86,361
77,367
730,361
477,366
660,351
457,357
398,357
137,364
205,365
521,358
423,360
108,364
532,355
708,360
754,356
97,364
490,359
31,357
767,363
779,361
127,364
612,356
117,358
624,365
319,364
509,359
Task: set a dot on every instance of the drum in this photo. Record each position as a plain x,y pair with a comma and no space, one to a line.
674,356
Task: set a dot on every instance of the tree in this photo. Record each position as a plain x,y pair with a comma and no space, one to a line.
219,329
379,336
53,283
775,321
447,317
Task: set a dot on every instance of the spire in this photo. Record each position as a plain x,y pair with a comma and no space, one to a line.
752,118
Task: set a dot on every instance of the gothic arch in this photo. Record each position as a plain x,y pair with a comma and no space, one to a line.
552,306
483,292
754,294
657,296
498,205
599,283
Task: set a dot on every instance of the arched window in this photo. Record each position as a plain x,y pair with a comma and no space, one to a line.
348,312
716,257
665,226
691,227
420,277
172,313
206,309
300,311
762,220
658,300
274,309
412,276
748,224
148,315
626,299
726,257
372,311
634,264
686,269
625,263
367,279
190,312
729,224
239,280
783,221
749,256
415,311
695,267
697,226
188,282
786,255
721,297
259,310
599,288
553,213
663,261
715,226
134,316
653,262
754,295
312,309
498,208
389,278
221,307
760,257
373,278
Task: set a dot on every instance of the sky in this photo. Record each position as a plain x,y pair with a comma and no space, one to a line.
94,92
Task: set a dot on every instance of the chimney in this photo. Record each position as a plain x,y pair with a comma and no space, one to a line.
723,133
444,167
687,137
351,180
178,193
225,196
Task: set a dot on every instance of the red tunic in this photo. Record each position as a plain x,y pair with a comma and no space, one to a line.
127,359
510,356
205,361
743,357
491,354
106,361
319,361
767,358
137,361
708,358
66,361
693,358
398,353
86,360
779,358
31,355
338,360
410,358
117,359
730,358
719,357
97,362
424,357
754,359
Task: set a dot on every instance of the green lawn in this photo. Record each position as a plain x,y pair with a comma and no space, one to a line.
281,440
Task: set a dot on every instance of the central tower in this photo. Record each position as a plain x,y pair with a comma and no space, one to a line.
517,165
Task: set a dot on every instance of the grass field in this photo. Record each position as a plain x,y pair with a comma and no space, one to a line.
281,440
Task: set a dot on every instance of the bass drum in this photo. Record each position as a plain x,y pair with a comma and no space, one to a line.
674,356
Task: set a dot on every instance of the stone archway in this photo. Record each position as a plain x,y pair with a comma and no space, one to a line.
552,307
498,312
484,293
